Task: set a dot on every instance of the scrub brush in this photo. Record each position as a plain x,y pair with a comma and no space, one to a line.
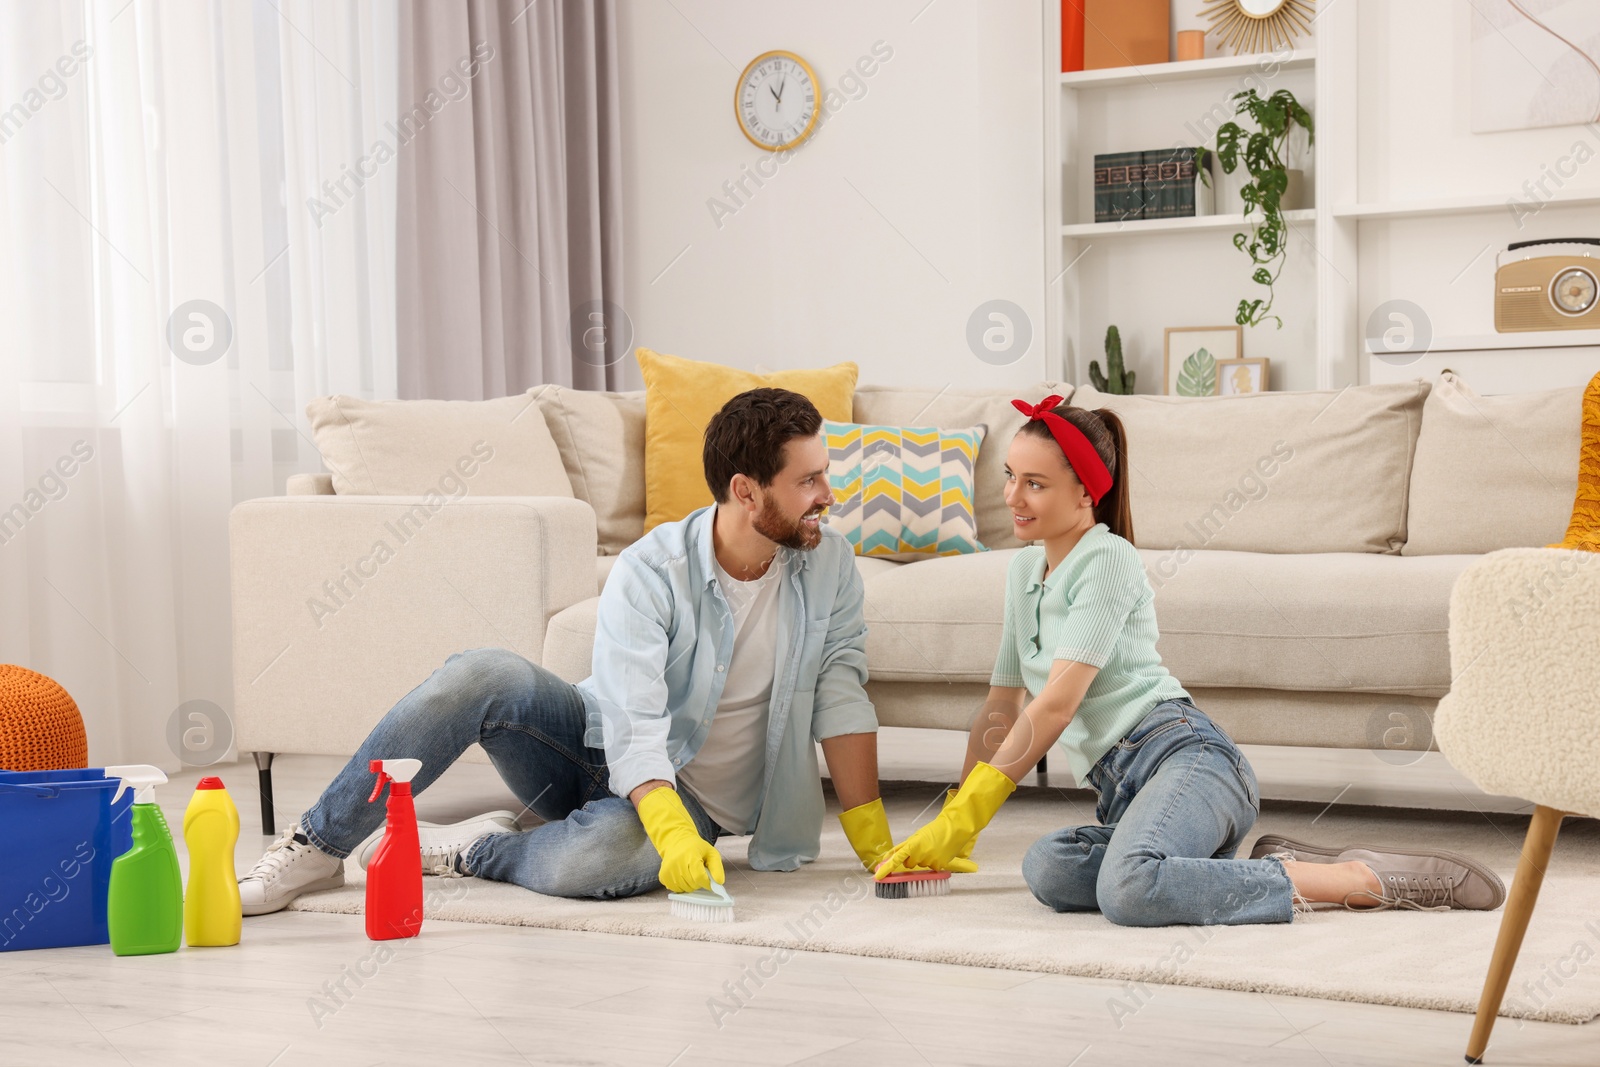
912,884
712,905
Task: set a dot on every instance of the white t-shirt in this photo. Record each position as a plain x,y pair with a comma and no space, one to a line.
725,774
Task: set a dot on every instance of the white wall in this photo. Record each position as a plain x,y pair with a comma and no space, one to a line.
910,206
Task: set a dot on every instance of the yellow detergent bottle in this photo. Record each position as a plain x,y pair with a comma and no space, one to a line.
211,912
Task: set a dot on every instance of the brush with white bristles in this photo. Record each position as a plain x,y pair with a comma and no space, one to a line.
912,884
712,905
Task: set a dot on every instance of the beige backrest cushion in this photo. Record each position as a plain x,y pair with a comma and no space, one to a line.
1493,472
601,439
955,409
1270,472
451,447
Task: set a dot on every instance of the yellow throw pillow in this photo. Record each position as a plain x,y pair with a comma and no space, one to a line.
680,397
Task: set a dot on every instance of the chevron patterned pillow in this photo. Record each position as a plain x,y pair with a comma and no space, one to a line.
903,491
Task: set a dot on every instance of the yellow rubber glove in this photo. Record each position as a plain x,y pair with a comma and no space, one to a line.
867,827
966,849
939,844
686,857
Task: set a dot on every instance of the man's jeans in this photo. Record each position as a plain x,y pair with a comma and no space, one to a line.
531,724
1176,800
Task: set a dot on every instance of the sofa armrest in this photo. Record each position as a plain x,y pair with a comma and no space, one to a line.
309,485
342,604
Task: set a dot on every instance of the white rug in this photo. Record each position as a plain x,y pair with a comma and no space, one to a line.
1433,960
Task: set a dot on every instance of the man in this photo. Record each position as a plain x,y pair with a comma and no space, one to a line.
725,644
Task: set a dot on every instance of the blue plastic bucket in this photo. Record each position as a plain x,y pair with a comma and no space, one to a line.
60,833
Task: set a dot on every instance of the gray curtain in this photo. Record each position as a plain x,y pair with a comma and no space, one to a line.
509,243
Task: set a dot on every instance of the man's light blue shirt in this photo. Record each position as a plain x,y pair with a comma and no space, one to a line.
663,641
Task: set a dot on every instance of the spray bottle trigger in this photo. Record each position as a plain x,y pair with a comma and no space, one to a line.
383,779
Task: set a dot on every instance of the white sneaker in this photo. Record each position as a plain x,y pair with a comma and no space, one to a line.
288,868
442,845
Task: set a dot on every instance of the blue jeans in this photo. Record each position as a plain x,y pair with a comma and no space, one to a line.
531,724
1176,800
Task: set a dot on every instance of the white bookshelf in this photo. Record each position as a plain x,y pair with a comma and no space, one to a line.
1185,272
1172,72
1192,224
1497,342
1459,205
1415,236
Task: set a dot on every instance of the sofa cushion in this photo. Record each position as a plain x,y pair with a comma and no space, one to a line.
569,641
937,619
447,447
1357,622
601,440
1493,471
681,396
951,409
1270,472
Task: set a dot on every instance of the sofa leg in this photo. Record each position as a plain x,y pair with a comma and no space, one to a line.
1040,766
269,825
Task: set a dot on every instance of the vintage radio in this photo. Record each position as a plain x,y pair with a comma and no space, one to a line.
1553,288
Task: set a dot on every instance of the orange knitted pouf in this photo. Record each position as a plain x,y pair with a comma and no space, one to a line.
40,727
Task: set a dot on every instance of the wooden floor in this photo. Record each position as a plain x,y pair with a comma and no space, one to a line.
305,988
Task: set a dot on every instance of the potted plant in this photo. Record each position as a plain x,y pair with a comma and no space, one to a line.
1115,379
1262,153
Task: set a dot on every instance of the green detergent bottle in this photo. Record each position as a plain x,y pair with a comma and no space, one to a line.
144,909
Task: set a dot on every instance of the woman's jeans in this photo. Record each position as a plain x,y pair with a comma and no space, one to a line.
531,724
1176,800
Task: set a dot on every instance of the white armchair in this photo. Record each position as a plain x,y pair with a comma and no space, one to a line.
1520,716
343,604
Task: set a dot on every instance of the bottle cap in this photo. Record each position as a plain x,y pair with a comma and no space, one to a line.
210,781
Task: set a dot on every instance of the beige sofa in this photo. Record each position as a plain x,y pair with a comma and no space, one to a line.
1302,547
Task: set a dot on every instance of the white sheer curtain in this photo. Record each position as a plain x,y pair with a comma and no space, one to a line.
153,154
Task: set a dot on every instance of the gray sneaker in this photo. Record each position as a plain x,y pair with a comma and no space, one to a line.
1425,880
1272,844
291,865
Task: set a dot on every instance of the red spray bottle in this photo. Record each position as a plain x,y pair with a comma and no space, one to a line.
394,874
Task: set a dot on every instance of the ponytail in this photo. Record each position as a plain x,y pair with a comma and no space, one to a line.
1115,509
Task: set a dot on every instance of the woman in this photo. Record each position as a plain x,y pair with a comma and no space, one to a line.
1078,666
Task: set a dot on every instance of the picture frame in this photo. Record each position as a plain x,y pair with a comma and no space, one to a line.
1182,342
1242,377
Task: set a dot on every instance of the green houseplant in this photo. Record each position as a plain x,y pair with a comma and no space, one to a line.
1116,379
1261,151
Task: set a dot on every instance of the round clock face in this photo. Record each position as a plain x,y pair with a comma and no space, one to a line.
776,101
1573,291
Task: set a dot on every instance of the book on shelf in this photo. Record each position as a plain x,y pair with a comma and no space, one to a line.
1119,189
1156,184
1175,189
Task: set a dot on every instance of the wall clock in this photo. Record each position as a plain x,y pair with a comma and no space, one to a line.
776,100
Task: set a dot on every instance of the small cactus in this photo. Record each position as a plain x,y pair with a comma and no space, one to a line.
1120,380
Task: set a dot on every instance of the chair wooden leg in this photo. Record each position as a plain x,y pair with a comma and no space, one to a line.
1536,849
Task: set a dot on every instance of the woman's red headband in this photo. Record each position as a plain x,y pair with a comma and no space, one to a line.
1081,455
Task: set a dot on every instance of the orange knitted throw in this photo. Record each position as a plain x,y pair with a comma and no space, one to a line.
1584,529
40,727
